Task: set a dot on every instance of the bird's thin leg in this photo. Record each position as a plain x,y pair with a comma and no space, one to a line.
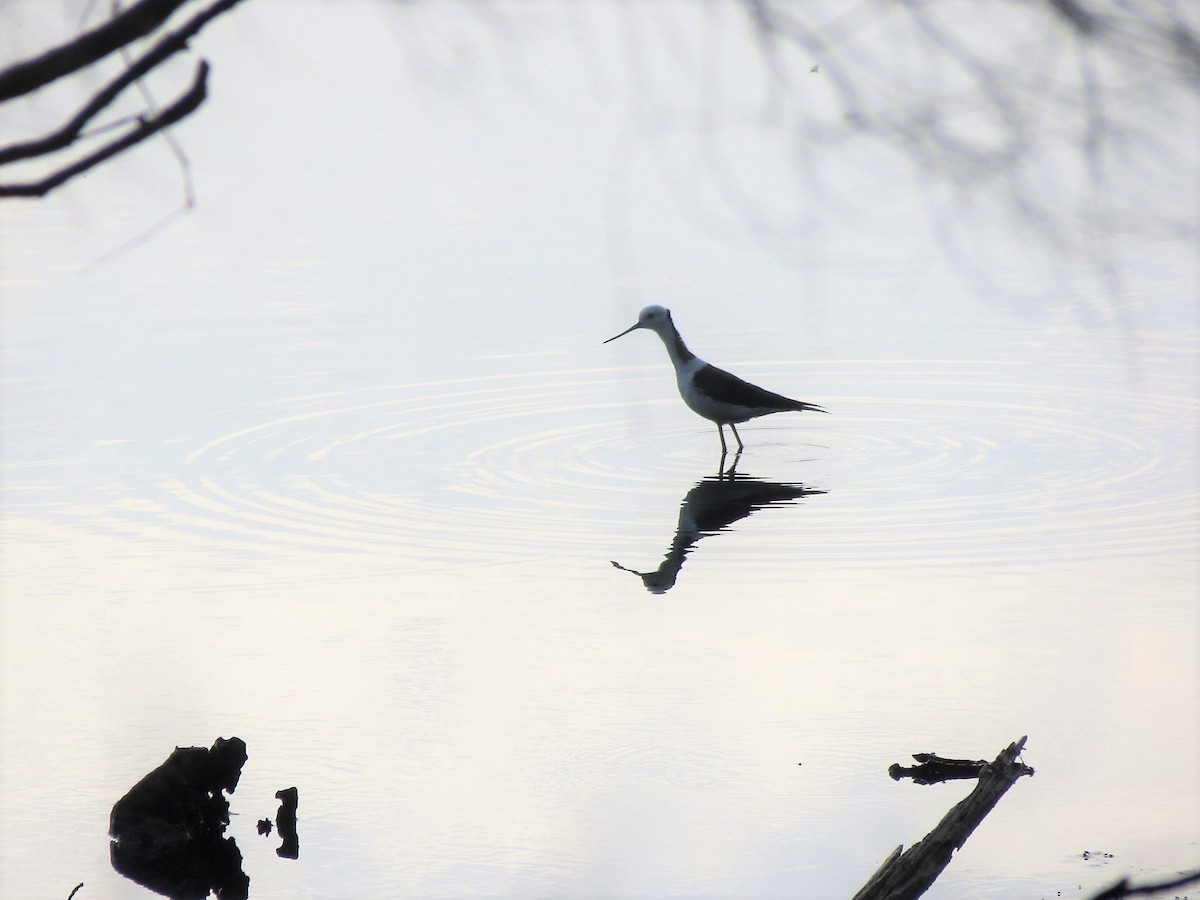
731,472
721,435
741,446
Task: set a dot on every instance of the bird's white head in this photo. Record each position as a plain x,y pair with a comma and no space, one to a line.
655,318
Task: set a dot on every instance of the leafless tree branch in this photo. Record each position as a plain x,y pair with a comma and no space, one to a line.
125,26
186,104
139,20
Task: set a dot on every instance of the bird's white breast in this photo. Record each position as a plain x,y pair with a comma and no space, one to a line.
699,402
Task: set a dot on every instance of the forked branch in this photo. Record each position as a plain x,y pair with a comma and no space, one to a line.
139,20
146,127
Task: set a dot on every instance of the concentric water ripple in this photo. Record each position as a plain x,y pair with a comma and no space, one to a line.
945,461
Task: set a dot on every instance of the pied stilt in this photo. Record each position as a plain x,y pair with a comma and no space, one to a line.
710,392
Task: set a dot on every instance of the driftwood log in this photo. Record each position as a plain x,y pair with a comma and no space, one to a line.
907,875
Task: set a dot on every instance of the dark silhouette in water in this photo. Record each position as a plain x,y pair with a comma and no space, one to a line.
934,769
910,873
285,821
710,507
168,830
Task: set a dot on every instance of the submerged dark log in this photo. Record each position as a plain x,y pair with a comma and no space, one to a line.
1123,889
907,875
168,830
934,769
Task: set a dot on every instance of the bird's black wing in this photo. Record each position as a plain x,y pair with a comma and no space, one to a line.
728,388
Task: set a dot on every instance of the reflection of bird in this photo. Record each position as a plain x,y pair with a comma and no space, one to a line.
711,392
710,507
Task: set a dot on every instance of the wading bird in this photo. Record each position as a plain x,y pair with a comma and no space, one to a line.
710,392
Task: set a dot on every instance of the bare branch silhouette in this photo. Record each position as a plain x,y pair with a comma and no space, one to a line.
140,20
187,103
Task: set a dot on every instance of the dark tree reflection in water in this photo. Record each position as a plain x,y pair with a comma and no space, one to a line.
1058,120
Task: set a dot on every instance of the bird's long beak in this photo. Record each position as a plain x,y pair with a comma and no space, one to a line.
633,327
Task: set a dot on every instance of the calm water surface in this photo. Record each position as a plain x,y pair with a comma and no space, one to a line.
337,463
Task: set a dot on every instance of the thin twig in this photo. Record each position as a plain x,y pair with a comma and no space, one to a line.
185,169
138,239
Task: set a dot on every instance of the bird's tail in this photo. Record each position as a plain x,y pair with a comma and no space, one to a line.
806,407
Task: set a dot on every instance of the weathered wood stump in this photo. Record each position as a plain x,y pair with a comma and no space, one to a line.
906,875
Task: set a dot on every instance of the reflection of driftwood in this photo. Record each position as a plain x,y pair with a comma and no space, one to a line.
168,831
934,769
285,821
909,874
201,867
1123,888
